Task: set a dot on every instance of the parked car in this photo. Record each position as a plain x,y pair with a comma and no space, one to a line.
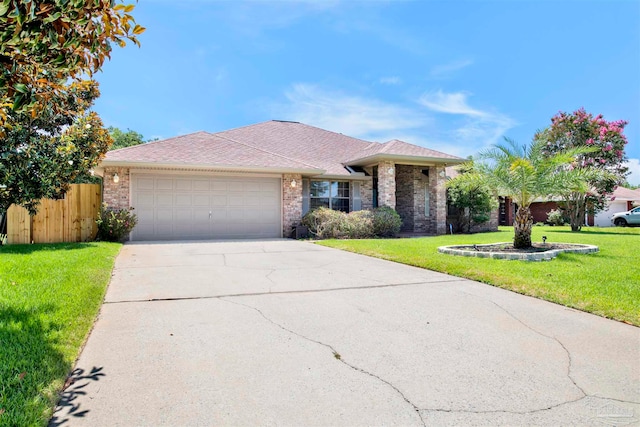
623,219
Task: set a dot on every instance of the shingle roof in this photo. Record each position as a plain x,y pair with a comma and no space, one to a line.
400,148
273,144
626,194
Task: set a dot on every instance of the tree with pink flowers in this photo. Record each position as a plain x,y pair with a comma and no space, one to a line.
605,161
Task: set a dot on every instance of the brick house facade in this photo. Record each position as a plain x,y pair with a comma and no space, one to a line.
258,181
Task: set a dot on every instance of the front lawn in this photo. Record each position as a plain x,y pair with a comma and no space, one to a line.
606,283
49,298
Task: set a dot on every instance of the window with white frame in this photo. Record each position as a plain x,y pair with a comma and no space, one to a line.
330,194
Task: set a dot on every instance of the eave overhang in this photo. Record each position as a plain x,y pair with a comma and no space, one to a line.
205,167
403,159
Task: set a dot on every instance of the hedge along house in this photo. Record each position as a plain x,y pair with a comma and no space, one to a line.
258,181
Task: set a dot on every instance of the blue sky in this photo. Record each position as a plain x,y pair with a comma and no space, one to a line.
452,76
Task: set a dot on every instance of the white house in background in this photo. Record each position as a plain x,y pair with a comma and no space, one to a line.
622,200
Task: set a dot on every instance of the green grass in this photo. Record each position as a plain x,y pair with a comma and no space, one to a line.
49,298
606,283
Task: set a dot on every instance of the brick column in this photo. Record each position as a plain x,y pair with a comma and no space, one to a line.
387,184
440,202
437,201
116,194
291,202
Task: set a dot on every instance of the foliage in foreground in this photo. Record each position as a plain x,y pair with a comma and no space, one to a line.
472,197
114,225
41,156
49,298
325,223
44,45
525,173
581,129
605,283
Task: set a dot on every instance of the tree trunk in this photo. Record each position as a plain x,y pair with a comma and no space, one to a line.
522,228
576,210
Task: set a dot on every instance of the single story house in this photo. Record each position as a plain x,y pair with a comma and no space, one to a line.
258,181
622,200
540,208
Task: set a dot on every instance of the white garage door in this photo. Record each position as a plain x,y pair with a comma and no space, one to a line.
176,207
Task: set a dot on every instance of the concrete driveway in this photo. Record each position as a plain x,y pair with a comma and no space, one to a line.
290,333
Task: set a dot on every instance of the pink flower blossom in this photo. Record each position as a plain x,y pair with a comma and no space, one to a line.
589,141
607,147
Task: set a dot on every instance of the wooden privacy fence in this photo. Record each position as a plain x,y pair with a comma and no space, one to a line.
72,219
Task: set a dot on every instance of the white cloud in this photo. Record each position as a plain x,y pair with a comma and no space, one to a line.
478,128
393,80
634,168
452,103
448,123
352,115
255,17
446,70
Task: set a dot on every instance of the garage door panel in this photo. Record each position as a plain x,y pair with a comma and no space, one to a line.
183,200
146,184
164,184
235,215
201,185
270,217
182,215
201,216
218,185
205,207
253,216
252,201
235,186
184,230
268,202
164,217
201,200
184,184
164,199
235,200
219,200
144,215
145,200
218,214
269,187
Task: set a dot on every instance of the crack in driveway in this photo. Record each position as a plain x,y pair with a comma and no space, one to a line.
570,361
302,291
335,354
504,411
338,356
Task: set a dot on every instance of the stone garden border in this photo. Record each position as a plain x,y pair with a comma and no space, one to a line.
531,256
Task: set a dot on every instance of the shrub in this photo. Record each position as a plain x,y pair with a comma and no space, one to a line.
326,223
386,222
556,217
472,197
114,225
359,224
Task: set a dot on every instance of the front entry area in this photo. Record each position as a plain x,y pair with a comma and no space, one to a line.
187,207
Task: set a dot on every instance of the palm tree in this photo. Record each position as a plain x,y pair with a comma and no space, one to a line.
524,174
